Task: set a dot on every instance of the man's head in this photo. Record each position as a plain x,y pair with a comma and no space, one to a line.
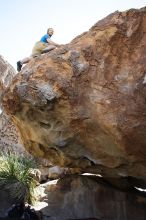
50,31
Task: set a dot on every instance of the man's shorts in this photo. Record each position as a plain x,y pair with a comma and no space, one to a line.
38,48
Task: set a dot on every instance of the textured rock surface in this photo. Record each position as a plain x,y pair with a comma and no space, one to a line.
7,72
9,135
84,104
10,139
81,197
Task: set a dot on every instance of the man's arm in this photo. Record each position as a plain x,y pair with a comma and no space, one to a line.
52,43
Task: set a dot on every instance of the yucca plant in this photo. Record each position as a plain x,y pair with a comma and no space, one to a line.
15,177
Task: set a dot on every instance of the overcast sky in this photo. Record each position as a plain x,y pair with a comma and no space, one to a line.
23,22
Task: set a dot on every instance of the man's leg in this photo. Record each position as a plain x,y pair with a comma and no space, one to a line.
25,60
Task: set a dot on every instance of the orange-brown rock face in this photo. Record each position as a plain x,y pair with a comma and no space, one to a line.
84,104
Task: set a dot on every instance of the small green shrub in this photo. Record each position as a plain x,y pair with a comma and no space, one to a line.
15,177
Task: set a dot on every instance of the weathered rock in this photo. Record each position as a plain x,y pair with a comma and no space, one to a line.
81,197
58,172
9,135
52,172
84,104
55,172
7,72
10,139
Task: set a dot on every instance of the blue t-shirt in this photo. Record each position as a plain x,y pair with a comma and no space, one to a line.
44,38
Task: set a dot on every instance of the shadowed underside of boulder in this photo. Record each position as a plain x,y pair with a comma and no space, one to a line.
84,104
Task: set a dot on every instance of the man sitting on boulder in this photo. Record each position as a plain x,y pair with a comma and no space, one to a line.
42,46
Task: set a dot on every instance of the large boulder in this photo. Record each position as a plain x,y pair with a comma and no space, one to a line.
84,104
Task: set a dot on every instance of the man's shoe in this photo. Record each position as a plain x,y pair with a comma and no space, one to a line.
19,66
